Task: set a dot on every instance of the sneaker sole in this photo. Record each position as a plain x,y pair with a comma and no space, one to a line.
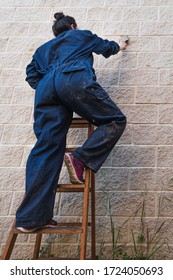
27,230
32,230
73,177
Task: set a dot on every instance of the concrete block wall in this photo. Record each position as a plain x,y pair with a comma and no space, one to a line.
139,80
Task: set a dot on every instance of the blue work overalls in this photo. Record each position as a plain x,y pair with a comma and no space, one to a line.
62,73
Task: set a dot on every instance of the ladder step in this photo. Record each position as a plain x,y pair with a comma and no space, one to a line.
56,230
64,227
79,123
70,188
70,149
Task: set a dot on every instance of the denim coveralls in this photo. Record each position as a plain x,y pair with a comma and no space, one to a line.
62,74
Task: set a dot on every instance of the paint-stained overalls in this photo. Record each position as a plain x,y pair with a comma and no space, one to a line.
62,74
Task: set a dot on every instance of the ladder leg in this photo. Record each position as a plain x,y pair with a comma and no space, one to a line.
9,244
37,246
93,225
83,242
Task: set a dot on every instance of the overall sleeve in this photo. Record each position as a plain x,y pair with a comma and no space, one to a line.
101,46
106,48
33,76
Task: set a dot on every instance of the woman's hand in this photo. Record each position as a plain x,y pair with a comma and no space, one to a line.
123,46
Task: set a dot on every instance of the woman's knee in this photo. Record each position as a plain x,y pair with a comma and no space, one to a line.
120,123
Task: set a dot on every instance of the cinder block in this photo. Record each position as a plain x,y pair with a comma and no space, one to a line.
95,27
166,13
32,14
5,203
13,77
121,28
41,29
164,179
71,204
125,204
7,14
166,44
16,3
166,77
10,60
165,156
154,95
151,179
156,28
112,179
134,156
27,45
159,134
165,205
52,3
138,77
107,77
140,113
155,60
78,13
65,251
87,3
166,113
115,3
140,13
6,94
121,60
15,28
11,156
104,232
15,114
104,14
23,95
18,134
23,251
156,3
3,44
121,95
143,179
143,44
12,179
16,201
76,136
5,226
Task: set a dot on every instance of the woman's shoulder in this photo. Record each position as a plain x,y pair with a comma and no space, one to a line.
80,35
80,32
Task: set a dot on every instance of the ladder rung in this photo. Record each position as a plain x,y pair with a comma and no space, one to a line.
79,125
70,150
71,224
70,188
79,122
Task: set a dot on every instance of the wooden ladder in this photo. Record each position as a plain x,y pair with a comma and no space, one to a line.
88,190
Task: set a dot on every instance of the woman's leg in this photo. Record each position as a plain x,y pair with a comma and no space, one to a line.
44,163
89,100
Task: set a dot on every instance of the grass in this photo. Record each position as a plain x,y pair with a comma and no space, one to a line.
147,239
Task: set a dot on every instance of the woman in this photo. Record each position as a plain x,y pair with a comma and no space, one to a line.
62,73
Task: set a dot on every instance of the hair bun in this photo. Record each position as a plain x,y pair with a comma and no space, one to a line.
58,16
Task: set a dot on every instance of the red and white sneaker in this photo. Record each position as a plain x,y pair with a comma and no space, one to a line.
51,224
75,169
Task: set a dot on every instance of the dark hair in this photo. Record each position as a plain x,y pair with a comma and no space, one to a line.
62,23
